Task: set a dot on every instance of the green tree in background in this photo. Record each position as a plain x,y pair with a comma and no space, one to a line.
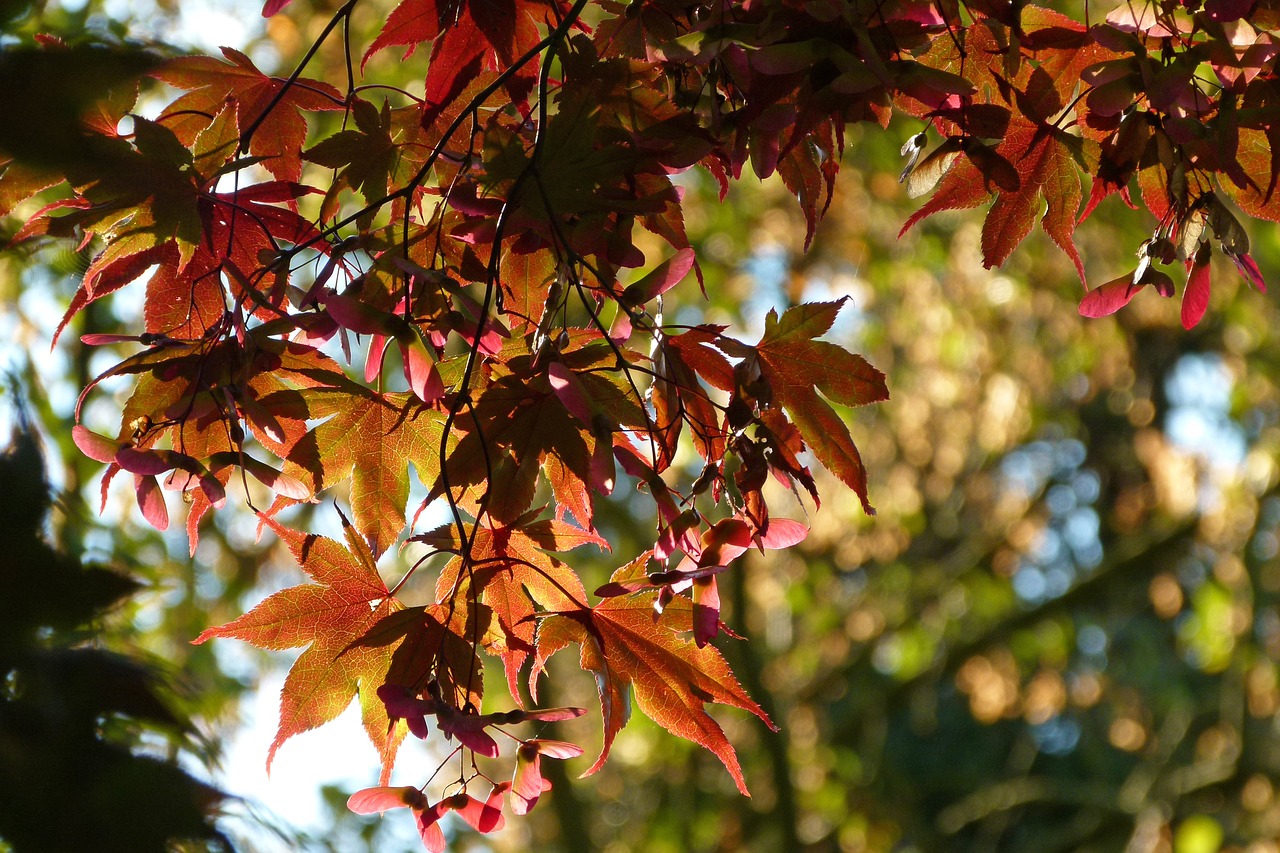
464,238
1054,634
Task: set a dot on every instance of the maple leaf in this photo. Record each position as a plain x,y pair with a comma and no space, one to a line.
1046,159
191,394
627,650
436,650
597,179
803,172
328,616
189,236
180,397
370,438
412,23
148,189
1024,99
468,36
56,89
278,127
1062,47
1258,155
378,154
21,181
120,263
795,368
243,225
512,572
522,428
1119,157
528,428
527,280
678,398
697,349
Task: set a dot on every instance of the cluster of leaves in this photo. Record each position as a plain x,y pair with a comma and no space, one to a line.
507,238
1175,96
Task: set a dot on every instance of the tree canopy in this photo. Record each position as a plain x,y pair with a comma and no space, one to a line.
488,209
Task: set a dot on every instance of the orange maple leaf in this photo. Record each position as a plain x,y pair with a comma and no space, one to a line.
797,367
370,438
346,600
627,650
513,573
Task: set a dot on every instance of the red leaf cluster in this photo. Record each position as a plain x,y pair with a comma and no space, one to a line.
480,247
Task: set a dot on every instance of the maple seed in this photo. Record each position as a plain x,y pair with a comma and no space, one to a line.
402,705
469,728
371,800
912,149
484,816
708,475
528,785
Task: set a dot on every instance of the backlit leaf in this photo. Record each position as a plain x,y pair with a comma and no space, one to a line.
798,368
372,439
278,133
627,650
346,600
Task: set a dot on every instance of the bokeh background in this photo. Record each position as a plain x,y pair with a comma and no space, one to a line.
1060,631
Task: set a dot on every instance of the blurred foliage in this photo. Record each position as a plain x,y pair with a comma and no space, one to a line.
76,720
1060,630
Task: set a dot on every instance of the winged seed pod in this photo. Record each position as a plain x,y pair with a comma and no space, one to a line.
912,149
1226,227
1191,232
925,177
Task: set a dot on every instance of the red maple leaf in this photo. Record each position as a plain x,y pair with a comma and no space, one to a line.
278,127
1047,160
467,37
678,398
